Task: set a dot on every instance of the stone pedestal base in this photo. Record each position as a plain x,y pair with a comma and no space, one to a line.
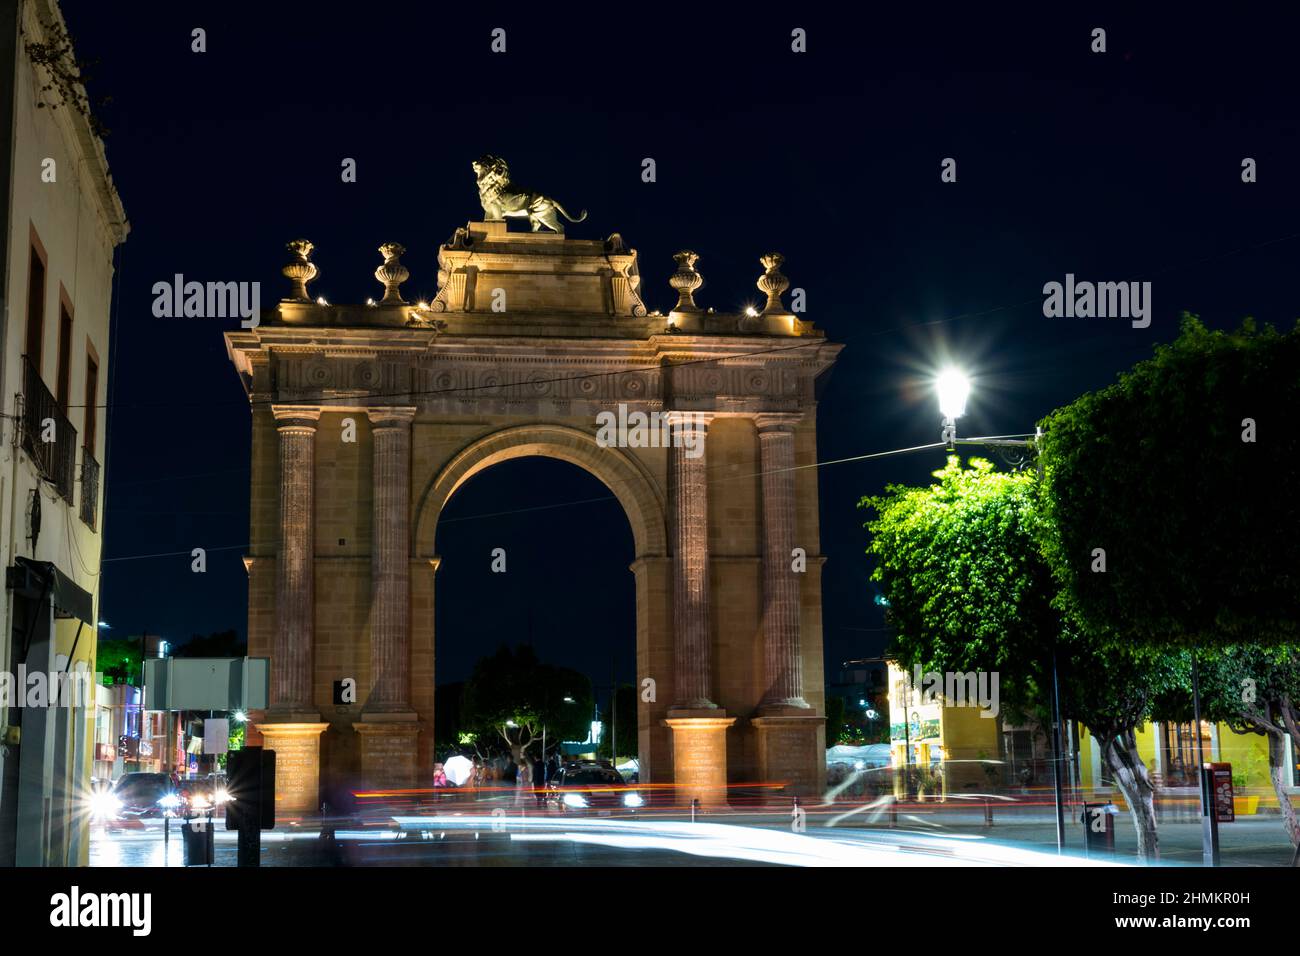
389,748
700,757
297,765
789,752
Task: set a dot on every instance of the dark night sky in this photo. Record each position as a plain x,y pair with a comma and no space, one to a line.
1114,167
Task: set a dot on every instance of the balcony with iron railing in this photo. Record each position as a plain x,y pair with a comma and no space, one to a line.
89,488
48,436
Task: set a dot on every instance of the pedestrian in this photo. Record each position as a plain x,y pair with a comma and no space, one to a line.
523,781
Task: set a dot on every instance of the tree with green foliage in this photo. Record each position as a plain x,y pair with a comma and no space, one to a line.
959,564
968,588
1255,689
118,659
1171,494
511,696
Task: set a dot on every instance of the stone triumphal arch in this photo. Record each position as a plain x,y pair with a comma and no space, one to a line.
366,419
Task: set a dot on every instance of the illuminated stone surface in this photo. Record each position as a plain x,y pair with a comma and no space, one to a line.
791,751
388,747
700,759
781,646
297,765
530,337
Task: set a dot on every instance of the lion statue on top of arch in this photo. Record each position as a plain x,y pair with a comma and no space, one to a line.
502,199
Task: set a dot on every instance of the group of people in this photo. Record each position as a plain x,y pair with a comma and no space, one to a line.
529,775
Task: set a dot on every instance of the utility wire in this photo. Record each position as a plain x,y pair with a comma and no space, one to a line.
585,501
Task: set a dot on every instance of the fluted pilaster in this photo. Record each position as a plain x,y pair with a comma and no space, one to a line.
390,639
692,639
782,655
291,671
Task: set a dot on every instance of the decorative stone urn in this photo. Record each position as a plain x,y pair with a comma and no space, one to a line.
300,269
772,283
686,280
392,273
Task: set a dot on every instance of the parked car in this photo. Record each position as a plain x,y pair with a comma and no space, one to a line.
201,795
137,797
590,787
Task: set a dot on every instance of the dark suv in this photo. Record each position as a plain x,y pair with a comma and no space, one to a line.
142,796
591,788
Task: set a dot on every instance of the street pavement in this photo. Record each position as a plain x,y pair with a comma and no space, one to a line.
1250,841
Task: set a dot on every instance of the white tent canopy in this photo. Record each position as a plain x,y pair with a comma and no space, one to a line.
872,755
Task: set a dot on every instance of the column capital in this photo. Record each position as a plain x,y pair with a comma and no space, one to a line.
300,417
391,416
777,421
678,419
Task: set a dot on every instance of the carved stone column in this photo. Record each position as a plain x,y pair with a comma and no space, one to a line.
389,728
699,727
390,611
782,654
293,727
689,518
789,735
291,666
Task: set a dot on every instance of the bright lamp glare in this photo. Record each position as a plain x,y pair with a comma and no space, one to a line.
953,388
104,806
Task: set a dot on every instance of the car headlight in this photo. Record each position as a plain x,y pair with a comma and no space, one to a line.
575,800
104,806
169,801
223,796
633,800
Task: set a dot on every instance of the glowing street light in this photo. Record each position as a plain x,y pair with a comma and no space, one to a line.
953,389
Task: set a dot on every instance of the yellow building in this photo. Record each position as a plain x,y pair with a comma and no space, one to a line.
1170,753
952,747
955,749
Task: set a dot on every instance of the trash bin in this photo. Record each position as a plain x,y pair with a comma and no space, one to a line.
1099,828
198,841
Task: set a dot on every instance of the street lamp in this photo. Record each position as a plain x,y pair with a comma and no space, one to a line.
953,388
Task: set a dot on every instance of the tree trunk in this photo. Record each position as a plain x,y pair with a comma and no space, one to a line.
1276,772
1134,782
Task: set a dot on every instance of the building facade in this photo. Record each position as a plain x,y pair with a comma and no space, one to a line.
62,221
953,749
366,419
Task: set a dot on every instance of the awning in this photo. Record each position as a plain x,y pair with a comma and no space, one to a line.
30,579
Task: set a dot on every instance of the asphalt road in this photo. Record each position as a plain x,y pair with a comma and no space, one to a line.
469,836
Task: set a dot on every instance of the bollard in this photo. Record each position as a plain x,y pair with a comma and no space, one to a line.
695,807
988,813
